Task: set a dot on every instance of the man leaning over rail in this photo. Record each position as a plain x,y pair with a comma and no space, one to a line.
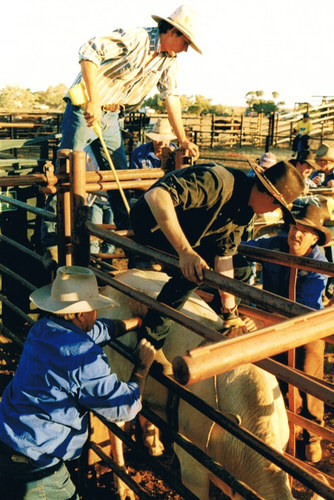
63,373
199,213
303,240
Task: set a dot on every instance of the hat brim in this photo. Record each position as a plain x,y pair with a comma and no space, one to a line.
185,32
160,137
287,214
313,164
325,235
43,300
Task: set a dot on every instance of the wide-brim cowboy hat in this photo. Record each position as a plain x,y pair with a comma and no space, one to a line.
284,183
185,20
312,216
161,131
74,290
324,153
308,157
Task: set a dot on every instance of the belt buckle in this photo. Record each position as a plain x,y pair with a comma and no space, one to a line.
20,459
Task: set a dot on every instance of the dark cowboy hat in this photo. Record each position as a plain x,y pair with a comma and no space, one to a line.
306,156
283,182
312,216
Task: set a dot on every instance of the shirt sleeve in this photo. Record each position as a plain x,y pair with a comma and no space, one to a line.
102,331
101,391
311,288
118,44
167,84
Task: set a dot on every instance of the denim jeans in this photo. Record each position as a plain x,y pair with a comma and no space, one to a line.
18,483
76,135
101,213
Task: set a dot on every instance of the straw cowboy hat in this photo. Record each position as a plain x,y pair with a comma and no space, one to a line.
161,131
324,153
185,20
283,182
74,290
312,216
308,157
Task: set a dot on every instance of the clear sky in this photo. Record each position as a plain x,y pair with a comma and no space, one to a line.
270,45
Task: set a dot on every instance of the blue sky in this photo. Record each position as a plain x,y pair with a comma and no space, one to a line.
284,46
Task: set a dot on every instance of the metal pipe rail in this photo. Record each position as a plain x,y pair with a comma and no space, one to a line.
17,277
207,361
266,299
145,457
35,210
239,432
285,259
18,311
21,247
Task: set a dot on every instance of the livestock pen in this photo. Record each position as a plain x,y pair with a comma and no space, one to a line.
71,182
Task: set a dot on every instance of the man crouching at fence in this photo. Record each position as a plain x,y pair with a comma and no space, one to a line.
63,373
200,213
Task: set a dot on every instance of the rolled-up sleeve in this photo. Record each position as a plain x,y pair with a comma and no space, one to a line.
167,85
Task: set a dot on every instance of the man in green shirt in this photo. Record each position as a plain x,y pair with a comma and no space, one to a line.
199,213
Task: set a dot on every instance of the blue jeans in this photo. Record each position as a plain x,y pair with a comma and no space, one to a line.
76,135
101,213
17,483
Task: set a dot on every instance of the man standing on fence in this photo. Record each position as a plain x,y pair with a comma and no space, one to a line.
118,72
303,240
63,374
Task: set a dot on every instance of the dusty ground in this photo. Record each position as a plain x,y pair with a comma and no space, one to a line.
100,485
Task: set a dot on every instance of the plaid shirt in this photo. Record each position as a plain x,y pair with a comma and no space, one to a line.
122,76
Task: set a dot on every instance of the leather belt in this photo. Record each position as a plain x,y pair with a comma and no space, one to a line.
112,107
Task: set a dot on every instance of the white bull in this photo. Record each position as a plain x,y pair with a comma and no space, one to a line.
249,394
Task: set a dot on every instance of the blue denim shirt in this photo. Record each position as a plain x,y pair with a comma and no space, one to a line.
62,374
143,156
309,284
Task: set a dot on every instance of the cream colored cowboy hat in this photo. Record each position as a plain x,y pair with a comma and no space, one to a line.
185,20
324,153
161,131
74,290
283,182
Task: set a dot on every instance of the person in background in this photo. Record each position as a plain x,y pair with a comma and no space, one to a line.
62,374
302,130
265,161
303,240
148,155
324,157
99,209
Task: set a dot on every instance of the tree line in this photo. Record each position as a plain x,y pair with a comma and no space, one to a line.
16,98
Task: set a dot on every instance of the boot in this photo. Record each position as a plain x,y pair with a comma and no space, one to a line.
313,452
50,258
166,365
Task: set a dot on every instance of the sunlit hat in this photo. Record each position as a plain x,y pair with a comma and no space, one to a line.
74,290
185,19
283,182
161,131
312,216
324,153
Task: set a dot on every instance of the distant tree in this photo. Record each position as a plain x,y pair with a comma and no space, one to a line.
193,105
52,97
256,103
14,97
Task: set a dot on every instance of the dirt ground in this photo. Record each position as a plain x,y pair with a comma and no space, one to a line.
100,483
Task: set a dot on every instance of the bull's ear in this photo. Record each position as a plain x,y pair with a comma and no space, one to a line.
235,417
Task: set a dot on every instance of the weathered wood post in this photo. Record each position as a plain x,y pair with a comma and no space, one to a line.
79,210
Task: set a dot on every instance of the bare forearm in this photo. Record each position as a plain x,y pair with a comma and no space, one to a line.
89,71
122,326
224,266
173,107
